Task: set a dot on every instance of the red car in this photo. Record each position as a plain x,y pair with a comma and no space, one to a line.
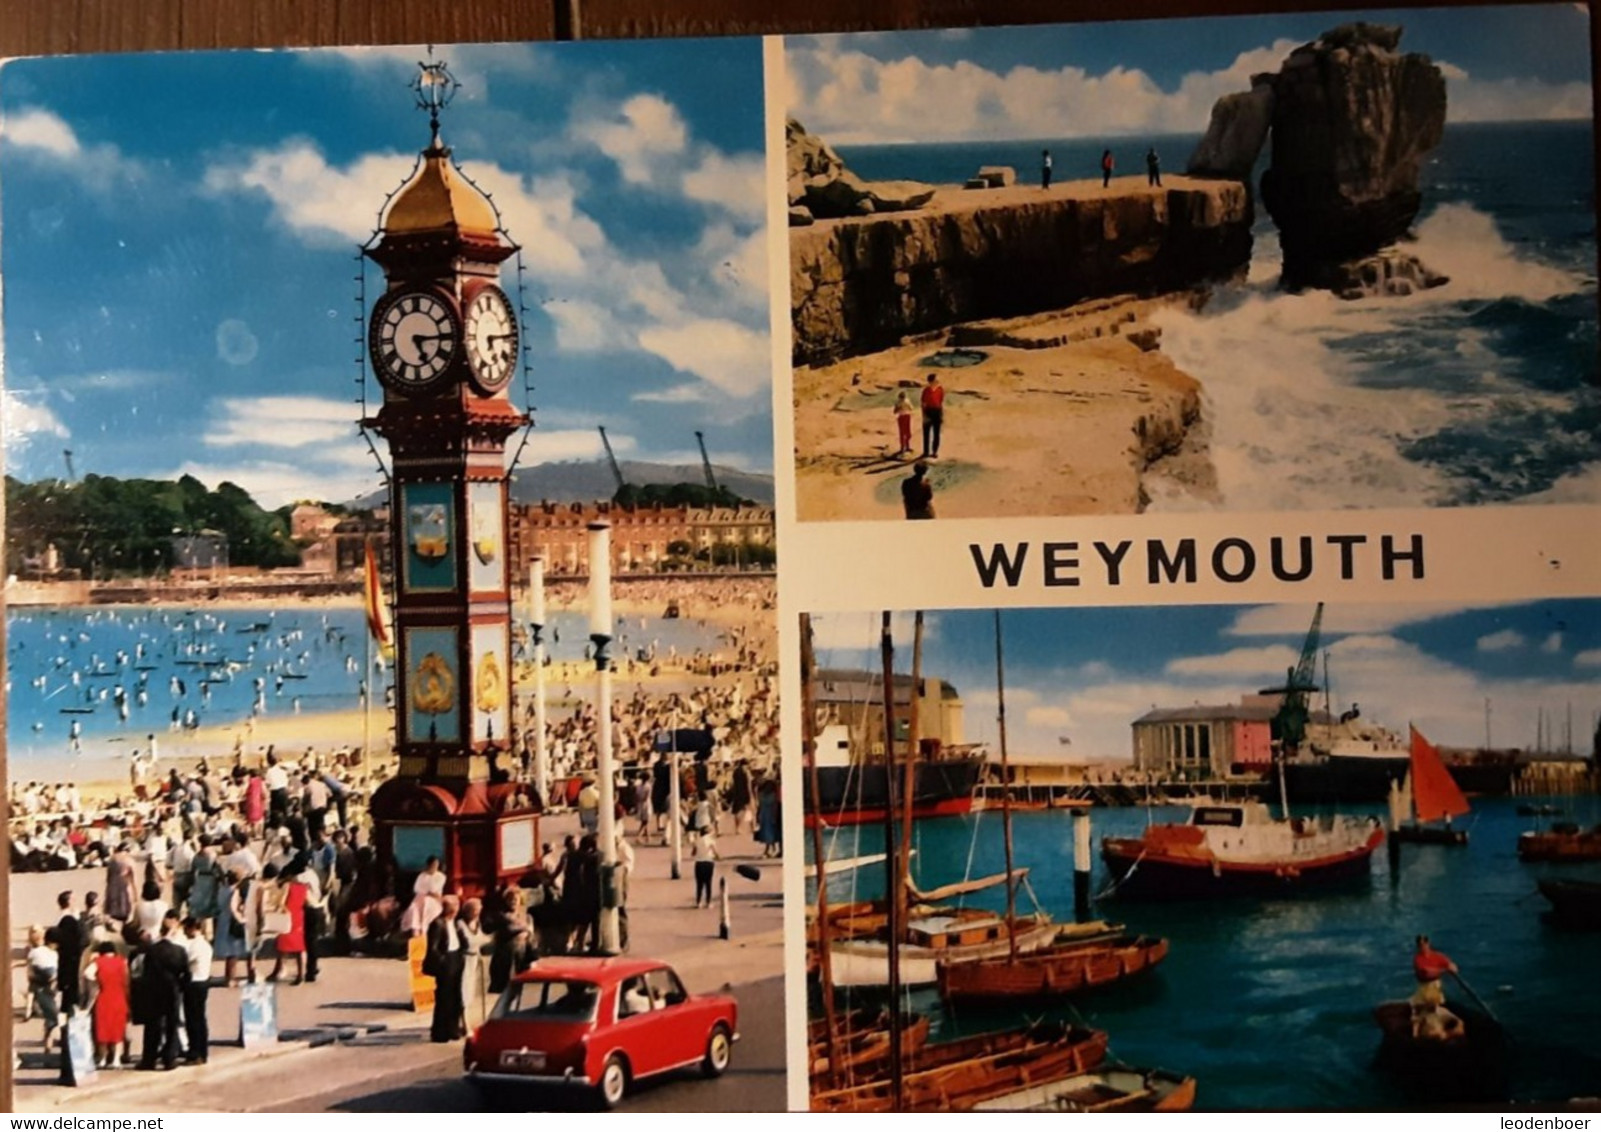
601,1023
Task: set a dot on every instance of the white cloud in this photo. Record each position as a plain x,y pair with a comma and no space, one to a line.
555,445
1589,658
910,100
25,418
1289,620
1500,641
1511,100
273,483
281,422
641,135
1552,643
736,184
1269,660
48,137
41,130
318,202
851,640
687,393
681,307
731,357
585,327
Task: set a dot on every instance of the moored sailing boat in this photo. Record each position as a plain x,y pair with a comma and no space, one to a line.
1429,795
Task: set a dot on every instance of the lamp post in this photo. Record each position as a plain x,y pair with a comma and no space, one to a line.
536,627
675,812
600,632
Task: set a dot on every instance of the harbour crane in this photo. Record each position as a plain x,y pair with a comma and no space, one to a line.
611,458
705,463
1300,682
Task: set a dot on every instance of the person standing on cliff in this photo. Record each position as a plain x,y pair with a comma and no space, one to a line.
1106,168
933,416
1045,169
917,494
1153,168
903,423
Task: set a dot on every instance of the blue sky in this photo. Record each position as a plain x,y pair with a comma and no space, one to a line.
1086,674
1158,77
179,238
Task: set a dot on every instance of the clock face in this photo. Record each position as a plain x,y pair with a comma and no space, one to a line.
491,328
414,337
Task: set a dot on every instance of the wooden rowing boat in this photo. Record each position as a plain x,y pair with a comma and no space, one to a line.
1109,1088
1469,1062
863,1044
1066,967
957,1076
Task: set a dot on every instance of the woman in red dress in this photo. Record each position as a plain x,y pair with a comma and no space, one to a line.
293,941
107,974
255,802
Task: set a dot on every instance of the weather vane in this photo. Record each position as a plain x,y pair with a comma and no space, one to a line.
434,87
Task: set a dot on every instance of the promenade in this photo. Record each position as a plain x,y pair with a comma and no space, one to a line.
356,1024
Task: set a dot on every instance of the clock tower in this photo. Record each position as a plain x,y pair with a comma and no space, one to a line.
444,340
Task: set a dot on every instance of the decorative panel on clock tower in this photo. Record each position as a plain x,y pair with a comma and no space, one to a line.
444,342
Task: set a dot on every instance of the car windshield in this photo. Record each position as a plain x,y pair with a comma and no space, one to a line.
553,1000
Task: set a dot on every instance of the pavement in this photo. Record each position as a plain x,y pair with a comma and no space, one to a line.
355,1024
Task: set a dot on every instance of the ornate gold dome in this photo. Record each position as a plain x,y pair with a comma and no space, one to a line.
438,198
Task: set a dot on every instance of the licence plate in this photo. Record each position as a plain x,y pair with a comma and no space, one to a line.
522,1059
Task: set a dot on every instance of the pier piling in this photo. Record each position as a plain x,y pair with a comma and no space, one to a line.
1081,865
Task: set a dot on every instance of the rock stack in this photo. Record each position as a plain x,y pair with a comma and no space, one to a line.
1350,121
821,187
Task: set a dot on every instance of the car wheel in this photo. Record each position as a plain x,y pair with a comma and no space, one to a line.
719,1051
613,1082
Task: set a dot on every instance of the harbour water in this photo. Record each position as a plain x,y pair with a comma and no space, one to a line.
65,666
1268,1003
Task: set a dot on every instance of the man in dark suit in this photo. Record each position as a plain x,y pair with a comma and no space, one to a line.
69,942
166,974
446,961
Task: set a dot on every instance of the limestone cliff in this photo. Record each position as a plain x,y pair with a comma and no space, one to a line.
1352,122
863,284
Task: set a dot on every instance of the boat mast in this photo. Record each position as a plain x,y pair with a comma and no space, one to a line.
825,959
1006,797
908,777
892,870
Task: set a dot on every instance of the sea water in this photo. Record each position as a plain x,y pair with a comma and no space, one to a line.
207,660
1268,1003
1481,391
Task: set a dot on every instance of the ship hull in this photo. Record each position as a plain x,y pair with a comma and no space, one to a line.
1339,780
857,794
1142,873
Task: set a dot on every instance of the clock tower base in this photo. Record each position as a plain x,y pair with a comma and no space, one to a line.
482,844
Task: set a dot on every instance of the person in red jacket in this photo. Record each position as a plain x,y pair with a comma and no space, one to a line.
1430,1018
933,415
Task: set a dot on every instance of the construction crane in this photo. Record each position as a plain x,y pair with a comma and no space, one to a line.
611,458
705,463
1289,724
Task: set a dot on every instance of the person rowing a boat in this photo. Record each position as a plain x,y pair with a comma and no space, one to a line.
1430,1018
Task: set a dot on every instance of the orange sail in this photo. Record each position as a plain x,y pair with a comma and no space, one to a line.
377,609
1435,794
